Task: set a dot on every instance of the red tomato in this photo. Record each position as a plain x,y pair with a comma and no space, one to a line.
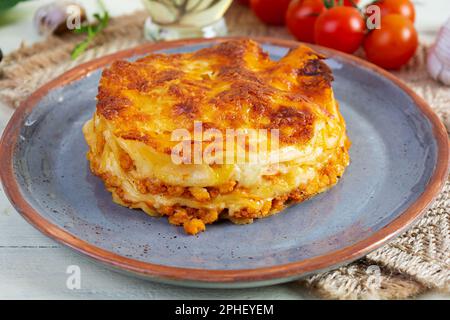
340,28
301,17
394,44
402,7
270,11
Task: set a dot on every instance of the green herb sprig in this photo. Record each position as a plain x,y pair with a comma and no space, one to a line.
91,31
339,3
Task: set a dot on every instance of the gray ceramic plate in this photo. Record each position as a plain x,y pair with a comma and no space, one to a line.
399,163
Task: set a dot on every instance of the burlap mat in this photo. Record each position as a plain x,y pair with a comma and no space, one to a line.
417,261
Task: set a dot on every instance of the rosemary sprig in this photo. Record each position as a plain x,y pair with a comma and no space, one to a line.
91,30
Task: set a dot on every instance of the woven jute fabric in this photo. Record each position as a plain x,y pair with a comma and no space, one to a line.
417,261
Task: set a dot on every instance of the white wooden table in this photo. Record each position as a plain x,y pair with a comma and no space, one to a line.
33,266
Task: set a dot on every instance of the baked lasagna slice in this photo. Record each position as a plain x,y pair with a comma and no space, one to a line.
231,87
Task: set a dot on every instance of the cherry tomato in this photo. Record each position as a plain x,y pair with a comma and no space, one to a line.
394,44
270,11
340,28
402,7
301,17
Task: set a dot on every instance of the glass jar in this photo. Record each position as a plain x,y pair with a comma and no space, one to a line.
178,19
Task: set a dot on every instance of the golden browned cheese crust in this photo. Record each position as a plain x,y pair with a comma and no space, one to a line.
231,85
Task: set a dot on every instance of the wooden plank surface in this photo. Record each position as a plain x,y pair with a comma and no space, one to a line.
30,272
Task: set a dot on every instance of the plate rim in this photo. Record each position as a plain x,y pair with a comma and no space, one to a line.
276,273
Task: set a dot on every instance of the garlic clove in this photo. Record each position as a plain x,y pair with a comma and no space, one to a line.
434,65
438,60
58,17
445,76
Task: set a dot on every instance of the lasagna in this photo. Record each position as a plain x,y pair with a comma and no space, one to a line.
233,86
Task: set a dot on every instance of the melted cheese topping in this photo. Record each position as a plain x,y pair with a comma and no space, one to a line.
233,85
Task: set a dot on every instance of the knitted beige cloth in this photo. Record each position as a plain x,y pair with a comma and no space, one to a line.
413,263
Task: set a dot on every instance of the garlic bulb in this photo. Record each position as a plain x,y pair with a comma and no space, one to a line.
58,17
438,61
